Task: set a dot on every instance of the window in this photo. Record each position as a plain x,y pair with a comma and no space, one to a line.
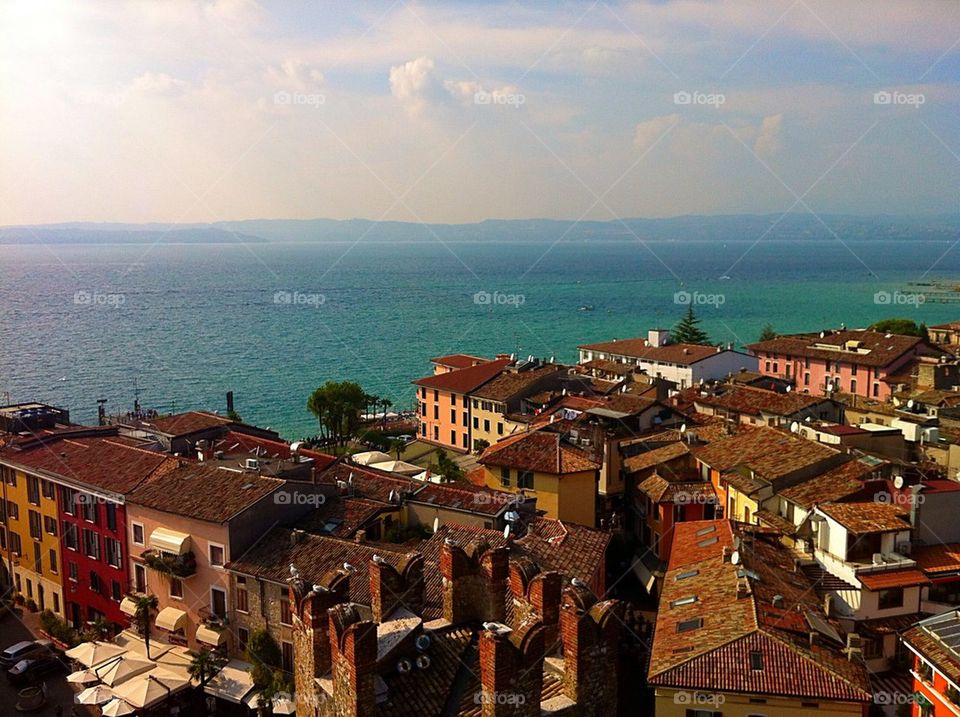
53,561
88,507
680,602
436,433
70,535
687,574
36,525
3,537
13,510
91,544
876,390
453,416
216,555
46,488
436,412
423,392
286,618
137,533
73,572
436,395
113,551
139,578
486,425
690,625
853,385
453,438
49,525
33,490
476,423
287,650
466,419
68,500
11,477
176,588
890,598
505,476
465,440
243,635
806,379
423,409
218,602
29,589
242,595
37,562
453,399
116,591
525,479
94,581
111,516
756,660
56,602
499,429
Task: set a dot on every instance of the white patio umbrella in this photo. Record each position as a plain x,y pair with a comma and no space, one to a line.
117,707
149,689
96,695
122,668
93,653
82,676
284,704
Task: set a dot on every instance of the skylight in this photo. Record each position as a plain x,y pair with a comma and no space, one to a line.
706,531
688,600
756,660
689,625
708,541
687,574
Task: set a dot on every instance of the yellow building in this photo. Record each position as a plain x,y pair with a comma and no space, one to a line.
541,464
30,539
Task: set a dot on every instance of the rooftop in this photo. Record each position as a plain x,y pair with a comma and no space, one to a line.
832,485
638,348
866,348
936,638
769,452
456,361
182,424
539,451
755,401
867,517
464,380
510,383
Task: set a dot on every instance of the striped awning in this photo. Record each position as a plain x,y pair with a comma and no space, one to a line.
209,636
171,619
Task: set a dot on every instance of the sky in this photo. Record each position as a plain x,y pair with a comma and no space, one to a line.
462,111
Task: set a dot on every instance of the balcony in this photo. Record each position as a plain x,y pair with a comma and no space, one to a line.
178,566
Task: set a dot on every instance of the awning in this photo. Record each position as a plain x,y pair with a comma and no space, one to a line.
171,619
170,541
209,636
128,606
232,683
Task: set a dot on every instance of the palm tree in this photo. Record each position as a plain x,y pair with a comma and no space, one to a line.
204,664
146,604
386,403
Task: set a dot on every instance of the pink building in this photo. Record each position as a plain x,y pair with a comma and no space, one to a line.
858,362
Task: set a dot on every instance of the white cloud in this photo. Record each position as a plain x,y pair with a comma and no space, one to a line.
768,136
413,83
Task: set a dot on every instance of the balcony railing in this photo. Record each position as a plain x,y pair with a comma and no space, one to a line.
179,566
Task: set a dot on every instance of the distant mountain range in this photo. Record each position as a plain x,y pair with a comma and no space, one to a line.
719,228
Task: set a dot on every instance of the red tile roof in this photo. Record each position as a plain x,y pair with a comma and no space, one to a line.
867,517
755,401
769,452
682,354
204,492
877,349
925,638
341,516
234,442
182,424
937,558
464,380
458,360
540,451
109,464
832,485
892,579
509,383
739,622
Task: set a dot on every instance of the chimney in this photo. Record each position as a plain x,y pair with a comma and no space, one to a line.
353,651
474,582
396,587
658,337
511,669
310,624
360,536
591,634
536,594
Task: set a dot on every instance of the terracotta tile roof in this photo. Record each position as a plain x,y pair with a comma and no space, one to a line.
743,481
464,496
314,556
923,637
105,463
656,456
755,401
682,354
892,579
234,442
867,517
341,516
879,349
660,490
182,424
540,451
458,360
769,452
937,558
509,384
608,366
739,623
464,380
367,482
204,492
774,520
832,485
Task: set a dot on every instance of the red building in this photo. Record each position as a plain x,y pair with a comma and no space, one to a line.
934,645
93,471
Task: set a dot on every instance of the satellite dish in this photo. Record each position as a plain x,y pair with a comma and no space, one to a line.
788,389
794,427
506,532
910,403
436,524
735,558
898,482
683,428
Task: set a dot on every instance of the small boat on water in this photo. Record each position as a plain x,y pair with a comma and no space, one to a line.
586,307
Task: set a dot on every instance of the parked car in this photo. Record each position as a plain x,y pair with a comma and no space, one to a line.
24,650
27,670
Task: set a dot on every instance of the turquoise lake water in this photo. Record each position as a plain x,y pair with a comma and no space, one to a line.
185,324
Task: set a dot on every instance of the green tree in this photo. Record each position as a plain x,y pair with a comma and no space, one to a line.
264,654
204,664
688,330
396,446
447,467
901,327
767,333
338,405
145,607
